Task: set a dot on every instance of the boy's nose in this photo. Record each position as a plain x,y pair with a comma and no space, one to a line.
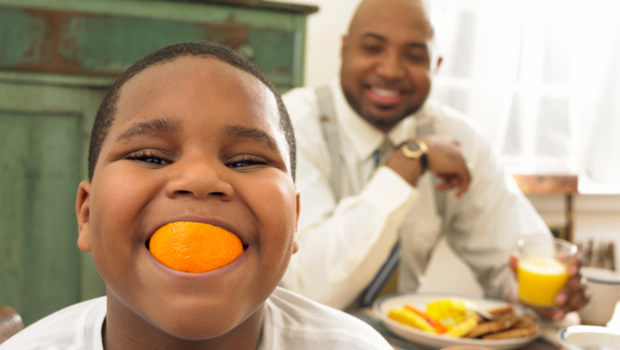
200,180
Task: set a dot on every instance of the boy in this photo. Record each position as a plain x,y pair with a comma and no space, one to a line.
192,132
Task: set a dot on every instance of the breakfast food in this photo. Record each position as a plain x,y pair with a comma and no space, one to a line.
502,322
194,247
524,326
451,317
411,318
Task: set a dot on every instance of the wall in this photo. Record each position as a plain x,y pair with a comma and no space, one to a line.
325,30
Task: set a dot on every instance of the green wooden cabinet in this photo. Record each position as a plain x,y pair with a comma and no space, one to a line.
57,59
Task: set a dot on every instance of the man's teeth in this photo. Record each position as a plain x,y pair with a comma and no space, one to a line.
385,93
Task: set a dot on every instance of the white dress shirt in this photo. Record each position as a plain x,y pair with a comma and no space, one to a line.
343,243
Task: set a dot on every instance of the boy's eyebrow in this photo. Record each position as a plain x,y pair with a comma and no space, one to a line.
148,128
253,134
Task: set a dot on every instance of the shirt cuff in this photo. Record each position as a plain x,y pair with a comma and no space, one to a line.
390,191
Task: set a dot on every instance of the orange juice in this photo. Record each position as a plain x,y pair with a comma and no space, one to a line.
540,279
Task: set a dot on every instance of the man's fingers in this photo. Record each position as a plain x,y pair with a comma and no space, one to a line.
513,261
458,180
450,181
447,162
577,294
454,182
466,180
462,190
573,296
465,186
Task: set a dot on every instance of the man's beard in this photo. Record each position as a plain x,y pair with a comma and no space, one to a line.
380,123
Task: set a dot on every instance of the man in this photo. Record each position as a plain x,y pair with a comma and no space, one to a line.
444,179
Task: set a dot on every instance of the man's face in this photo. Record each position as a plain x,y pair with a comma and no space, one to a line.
193,139
386,61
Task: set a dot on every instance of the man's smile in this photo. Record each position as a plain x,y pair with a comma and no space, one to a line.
384,96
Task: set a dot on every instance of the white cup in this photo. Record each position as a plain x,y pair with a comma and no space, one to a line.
604,288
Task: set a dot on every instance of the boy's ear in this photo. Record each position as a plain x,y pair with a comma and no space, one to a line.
343,46
295,241
82,210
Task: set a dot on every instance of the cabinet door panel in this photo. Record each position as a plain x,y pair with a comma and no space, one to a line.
39,172
72,42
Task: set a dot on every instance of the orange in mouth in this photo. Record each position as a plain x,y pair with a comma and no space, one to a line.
194,246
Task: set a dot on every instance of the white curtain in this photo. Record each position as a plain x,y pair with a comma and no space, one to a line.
542,77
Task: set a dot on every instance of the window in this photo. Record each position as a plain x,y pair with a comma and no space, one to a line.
542,78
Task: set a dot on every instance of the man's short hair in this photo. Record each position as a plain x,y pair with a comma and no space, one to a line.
107,109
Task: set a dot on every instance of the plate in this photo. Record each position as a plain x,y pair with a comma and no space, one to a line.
589,337
437,341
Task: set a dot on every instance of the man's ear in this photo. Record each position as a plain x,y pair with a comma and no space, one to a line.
82,210
344,46
439,61
295,241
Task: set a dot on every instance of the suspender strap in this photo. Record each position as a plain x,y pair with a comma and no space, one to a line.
331,133
326,103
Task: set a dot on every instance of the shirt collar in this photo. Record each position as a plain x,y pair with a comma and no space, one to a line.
365,138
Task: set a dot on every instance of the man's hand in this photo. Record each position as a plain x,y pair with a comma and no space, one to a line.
572,297
444,159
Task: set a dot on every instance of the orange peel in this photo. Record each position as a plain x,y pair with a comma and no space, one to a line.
194,246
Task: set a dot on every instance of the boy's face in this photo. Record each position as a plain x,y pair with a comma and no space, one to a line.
193,139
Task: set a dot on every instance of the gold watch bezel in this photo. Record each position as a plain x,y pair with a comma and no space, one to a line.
407,152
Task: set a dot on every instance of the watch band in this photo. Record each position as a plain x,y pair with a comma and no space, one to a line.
424,161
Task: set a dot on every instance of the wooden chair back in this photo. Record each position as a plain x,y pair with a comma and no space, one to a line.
10,323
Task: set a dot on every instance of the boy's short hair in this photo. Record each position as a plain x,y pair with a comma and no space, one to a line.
107,109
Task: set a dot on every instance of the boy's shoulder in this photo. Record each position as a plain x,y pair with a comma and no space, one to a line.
75,327
291,322
295,322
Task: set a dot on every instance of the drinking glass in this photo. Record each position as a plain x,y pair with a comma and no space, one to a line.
542,270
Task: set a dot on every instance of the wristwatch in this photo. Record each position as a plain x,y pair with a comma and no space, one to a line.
416,149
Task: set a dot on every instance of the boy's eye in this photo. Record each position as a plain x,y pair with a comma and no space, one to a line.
245,161
149,157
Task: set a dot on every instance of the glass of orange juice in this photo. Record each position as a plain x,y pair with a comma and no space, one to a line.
542,270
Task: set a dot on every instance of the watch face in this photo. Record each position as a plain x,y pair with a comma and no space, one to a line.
413,147
412,150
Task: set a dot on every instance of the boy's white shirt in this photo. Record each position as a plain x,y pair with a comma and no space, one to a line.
291,322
